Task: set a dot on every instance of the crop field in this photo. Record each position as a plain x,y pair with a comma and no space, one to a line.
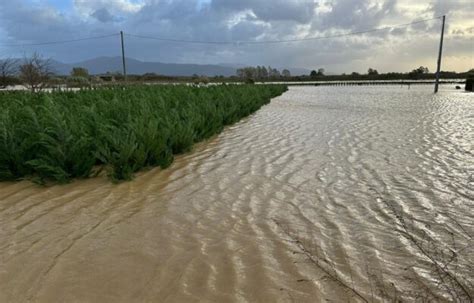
60,136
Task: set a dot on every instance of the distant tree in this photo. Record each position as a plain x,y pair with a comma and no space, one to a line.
249,81
421,70
201,80
418,72
372,72
204,79
313,74
148,76
56,82
270,72
250,73
77,82
79,77
321,72
8,69
247,73
355,74
35,72
262,72
258,71
96,80
273,72
79,72
286,73
112,73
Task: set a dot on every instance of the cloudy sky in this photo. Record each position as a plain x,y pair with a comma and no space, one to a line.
399,49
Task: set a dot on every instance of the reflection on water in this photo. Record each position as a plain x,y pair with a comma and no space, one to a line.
338,193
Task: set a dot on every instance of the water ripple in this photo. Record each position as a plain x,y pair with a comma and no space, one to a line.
328,193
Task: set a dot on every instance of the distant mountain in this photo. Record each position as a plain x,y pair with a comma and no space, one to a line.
59,67
102,65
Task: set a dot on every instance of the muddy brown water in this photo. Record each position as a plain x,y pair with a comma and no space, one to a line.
347,194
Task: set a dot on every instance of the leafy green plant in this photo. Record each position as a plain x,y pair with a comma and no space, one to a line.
60,136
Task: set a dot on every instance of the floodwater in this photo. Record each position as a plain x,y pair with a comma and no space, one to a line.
341,194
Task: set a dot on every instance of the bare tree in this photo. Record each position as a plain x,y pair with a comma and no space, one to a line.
35,72
8,69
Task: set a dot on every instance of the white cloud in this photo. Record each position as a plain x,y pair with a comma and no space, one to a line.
240,20
115,7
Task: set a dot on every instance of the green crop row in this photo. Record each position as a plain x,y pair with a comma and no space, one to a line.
64,135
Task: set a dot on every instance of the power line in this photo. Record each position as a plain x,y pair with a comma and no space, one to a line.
281,41
220,42
59,42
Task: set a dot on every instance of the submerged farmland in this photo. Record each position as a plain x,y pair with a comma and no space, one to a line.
64,135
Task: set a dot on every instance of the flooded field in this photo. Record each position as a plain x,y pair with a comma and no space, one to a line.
346,194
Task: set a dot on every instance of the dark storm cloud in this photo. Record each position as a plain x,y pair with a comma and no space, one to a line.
31,23
24,22
223,20
103,15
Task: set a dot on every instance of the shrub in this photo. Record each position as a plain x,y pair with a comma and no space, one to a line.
8,81
249,81
77,82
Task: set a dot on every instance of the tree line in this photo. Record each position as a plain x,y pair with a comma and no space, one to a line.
9,68
262,73
36,73
250,73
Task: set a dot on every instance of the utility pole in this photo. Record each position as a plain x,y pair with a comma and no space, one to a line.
123,57
438,70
